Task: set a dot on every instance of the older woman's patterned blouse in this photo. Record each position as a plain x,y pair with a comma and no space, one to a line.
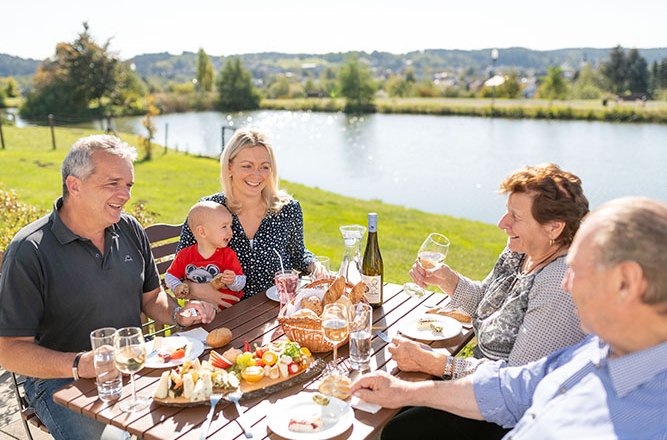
516,317
282,231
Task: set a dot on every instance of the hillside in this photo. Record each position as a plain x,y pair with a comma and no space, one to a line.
182,67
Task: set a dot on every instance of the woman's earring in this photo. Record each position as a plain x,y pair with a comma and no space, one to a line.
551,242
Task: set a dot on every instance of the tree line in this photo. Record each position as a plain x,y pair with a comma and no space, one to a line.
85,78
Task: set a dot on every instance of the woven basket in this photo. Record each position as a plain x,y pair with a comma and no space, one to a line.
308,331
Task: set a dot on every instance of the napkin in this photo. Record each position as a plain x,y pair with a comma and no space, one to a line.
196,333
357,403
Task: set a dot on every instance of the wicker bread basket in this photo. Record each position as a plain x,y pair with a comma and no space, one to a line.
308,331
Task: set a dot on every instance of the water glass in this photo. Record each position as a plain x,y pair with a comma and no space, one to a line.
109,379
286,283
361,321
325,262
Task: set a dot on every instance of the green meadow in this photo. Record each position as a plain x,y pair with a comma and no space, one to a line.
172,181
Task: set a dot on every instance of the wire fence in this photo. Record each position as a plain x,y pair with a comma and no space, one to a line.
104,124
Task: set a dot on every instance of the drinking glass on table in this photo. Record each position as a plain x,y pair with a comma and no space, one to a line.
108,378
361,322
324,271
129,357
286,284
430,256
334,328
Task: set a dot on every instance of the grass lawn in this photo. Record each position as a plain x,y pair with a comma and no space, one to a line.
172,182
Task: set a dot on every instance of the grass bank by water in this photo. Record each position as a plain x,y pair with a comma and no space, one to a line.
591,110
172,182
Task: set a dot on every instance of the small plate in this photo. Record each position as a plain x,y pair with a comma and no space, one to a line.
450,328
302,405
172,343
272,293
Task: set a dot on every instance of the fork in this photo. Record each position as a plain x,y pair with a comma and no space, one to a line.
215,398
234,397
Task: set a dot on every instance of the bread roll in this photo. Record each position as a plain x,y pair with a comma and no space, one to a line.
313,303
217,282
219,337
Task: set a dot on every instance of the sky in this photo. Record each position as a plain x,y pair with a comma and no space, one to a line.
31,28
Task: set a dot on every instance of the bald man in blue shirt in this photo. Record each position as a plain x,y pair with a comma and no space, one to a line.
611,385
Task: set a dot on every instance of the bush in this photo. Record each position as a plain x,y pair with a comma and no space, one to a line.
14,215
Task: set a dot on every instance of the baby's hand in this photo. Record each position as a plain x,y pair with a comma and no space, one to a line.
228,276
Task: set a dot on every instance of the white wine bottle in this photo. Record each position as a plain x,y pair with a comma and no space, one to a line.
372,269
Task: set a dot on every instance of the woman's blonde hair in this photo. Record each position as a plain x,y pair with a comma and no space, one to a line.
243,138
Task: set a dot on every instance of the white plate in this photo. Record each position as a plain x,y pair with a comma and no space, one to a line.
272,293
302,405
450,328
172,343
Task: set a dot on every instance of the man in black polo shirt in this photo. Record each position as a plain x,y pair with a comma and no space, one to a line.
84,266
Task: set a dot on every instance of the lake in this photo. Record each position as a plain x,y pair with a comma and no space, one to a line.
440,164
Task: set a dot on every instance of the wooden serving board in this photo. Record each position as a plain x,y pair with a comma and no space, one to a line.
264,387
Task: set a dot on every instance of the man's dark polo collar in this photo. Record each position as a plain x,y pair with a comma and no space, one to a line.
64,234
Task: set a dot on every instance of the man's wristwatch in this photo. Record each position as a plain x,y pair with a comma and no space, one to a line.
449,369
174,314
75,365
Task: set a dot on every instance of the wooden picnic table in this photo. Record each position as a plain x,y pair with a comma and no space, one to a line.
255,320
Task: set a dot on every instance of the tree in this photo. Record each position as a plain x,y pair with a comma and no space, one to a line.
205,72
588,84
615,70
79,74
662,74
10,86
553,85
511,88
235,88
637,72
356,85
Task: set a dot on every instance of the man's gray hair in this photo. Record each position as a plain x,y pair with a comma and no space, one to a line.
79,161
635,229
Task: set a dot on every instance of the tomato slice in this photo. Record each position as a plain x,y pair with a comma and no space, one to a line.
178,353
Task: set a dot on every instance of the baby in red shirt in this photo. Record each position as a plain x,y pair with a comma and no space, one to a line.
209,260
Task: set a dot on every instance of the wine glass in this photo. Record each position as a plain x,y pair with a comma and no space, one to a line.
335,327
129,357
430,256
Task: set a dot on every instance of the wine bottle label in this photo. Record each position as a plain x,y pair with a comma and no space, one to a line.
373,288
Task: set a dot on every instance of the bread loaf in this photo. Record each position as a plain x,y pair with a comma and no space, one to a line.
219,337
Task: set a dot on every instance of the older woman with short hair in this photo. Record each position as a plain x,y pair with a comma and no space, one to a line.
520,311
265,219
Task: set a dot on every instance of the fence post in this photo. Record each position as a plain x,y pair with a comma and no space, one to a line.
2,137
53,134
222,147
166,136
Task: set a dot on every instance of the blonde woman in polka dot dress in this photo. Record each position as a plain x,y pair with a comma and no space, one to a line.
264,218
520,311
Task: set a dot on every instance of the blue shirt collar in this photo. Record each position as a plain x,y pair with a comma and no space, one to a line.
632,370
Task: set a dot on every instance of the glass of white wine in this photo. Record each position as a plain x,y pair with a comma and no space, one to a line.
335,328
129,357
431,256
